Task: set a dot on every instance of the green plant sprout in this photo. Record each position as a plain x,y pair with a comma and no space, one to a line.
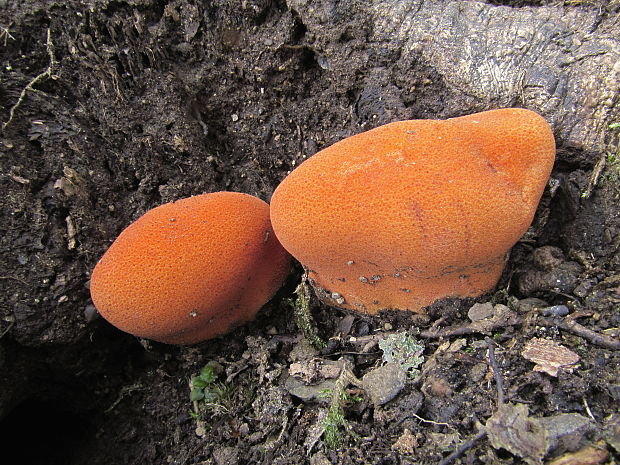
207,393
403,349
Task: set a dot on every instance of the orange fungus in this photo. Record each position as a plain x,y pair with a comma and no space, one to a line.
191,270
414,211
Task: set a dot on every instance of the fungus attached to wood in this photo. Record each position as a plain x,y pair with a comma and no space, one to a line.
191,270
414,211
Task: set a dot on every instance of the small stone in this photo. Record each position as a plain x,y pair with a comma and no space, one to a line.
345,324
384,383
556,310
90,313
481,311
583,288
337,297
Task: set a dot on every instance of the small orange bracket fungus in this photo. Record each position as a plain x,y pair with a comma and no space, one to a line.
414,211
191,270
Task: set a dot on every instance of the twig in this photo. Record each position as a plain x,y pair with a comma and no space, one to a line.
499,382
572,326
448,332
124,392
485,327
15,279
436,324
11,324
6,34
45,74
587,407
463,448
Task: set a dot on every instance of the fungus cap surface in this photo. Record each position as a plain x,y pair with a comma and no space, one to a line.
192,269
414,211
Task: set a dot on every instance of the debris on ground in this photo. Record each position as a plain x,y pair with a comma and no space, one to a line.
549,356
384,383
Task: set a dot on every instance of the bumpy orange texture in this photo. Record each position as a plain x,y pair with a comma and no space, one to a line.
414,211
191,270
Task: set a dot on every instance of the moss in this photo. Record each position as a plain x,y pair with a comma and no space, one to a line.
303,318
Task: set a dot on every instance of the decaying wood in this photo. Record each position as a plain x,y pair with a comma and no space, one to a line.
502,318
549,356
570,325
560,61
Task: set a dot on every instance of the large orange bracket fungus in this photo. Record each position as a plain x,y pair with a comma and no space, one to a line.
191,270
414,211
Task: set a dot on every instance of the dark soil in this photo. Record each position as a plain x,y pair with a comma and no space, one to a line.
142,102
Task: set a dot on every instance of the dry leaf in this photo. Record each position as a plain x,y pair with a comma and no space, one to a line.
590,455
549,356
512,429
566,430
531,438
316,370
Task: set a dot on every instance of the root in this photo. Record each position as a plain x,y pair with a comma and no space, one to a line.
48,73
592,336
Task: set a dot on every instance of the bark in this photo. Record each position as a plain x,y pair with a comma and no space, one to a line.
562,61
